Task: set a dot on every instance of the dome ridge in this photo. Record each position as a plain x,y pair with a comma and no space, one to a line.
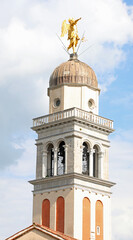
73,72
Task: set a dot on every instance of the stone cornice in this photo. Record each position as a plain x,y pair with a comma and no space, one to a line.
73,176
74,119
72,85
71,134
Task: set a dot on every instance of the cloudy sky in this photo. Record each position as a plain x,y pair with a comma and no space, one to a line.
29,51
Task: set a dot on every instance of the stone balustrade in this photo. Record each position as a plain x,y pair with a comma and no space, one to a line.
73,112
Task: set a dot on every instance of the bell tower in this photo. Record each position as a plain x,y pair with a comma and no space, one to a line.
72,191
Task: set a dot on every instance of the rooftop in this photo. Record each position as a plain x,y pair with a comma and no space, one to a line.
73,72
46,230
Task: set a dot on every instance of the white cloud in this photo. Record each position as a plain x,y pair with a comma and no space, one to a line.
16,196
106,81
121,172
24,51
26,163
32,47
15,206
29,51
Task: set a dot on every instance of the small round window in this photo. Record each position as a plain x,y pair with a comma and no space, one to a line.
91,103
57,102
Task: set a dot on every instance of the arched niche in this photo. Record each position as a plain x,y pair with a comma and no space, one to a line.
60,212
86,219
99,220
46,213
61,158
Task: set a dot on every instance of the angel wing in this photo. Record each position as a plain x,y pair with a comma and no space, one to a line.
64,28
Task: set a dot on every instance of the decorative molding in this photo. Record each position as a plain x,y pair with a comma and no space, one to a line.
74,176
68,181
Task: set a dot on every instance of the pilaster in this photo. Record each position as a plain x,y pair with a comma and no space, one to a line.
91,161
55,161
100,164
66,150
44,164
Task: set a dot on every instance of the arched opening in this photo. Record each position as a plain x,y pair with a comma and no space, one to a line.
86,219
46,213
50,160
61,159
95,161
60,214
85,159
99,221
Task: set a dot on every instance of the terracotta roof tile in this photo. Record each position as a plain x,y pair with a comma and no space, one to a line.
46,230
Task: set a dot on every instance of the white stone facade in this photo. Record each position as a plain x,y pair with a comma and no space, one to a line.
75,135
93,197
73,188
74,96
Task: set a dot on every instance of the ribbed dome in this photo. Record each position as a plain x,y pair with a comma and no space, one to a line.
73,72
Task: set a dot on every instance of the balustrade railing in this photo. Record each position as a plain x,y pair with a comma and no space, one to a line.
73,112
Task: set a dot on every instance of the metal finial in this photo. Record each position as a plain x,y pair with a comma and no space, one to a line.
73,56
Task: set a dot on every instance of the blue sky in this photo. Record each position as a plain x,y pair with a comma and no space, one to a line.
119,97
29,52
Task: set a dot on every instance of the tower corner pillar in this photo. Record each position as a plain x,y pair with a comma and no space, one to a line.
44,163
100,164
66,151
91,162
55,160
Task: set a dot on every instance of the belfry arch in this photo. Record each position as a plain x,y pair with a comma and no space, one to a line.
61,158
50,160
98,156
95,161
85,159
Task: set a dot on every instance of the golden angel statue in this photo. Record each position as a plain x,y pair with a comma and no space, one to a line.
72,31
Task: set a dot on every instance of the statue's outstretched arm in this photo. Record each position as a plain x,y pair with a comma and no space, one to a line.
77,20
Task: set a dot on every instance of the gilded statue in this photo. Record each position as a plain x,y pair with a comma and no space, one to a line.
71,29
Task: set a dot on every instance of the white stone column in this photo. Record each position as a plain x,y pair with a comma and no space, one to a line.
100,164
55,161
81,157
44,164
66,148
52,167
91,162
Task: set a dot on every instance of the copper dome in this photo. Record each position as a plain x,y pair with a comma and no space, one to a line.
73,72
